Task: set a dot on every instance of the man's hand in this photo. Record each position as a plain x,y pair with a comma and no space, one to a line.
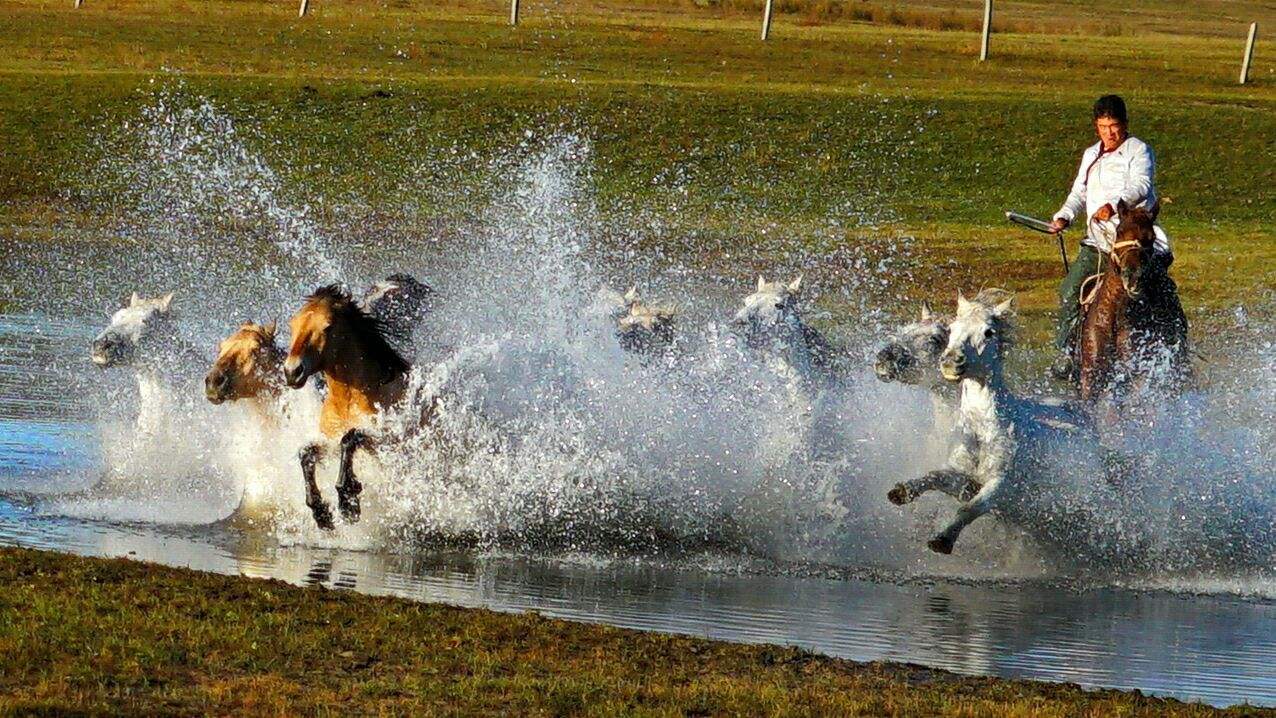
1058,225
1104,213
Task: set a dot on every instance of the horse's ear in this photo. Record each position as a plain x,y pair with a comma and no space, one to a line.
1155,210
165,301
133,300
631,296
795,285
1005,308
963,306
270,329
927,313
1122,208
761,283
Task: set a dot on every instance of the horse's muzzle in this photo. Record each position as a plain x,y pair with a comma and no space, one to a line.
217,387
953,368
296,372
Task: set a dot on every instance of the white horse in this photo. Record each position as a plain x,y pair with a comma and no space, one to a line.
771,324
911,356
143,336
640,327
1003,438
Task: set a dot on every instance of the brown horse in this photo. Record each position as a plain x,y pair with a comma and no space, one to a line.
365,373
1132,315
248,367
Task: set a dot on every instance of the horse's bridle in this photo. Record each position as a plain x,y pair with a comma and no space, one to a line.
1090,287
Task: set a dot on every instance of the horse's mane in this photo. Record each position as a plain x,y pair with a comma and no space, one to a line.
377,337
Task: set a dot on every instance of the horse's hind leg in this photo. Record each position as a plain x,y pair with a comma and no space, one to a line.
348,487
969,511
309,456
958,484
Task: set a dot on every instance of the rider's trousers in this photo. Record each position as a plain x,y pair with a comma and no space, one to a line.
1085,264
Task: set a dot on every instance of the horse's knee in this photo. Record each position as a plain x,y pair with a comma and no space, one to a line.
353,439
310,453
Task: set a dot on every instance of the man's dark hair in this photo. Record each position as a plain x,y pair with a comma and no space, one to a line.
1111,106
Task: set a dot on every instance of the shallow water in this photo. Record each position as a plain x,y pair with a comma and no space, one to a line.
1214,649
706,492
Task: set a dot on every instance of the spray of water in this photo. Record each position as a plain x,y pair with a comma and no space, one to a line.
549,437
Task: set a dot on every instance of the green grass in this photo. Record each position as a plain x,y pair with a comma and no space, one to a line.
827,122
97,636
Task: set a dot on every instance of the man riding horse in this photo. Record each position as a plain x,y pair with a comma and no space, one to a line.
1117,168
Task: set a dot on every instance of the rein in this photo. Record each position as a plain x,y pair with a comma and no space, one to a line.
1090,287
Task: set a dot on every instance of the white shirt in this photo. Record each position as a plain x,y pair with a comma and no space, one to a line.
1105,178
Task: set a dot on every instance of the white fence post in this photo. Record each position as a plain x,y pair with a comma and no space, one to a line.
513,12
1249,52
983,43
766,20
305,7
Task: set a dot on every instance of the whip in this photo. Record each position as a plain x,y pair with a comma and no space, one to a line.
1041,226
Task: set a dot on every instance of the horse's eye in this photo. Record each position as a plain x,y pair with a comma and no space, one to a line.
779,305
988,333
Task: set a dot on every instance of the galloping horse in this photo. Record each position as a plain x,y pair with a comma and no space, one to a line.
334,336
248,366
1133,320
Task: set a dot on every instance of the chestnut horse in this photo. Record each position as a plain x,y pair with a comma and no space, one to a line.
333,336
1133,324
249,367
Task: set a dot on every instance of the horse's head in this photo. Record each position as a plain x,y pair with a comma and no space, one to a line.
1135,237
332,331
247,364
911,356
770,309
133,329
977,337
644,328
399,300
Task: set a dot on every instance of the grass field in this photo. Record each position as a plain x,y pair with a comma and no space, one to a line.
95,636
843,115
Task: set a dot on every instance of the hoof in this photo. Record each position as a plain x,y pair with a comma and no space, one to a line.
349,506
323,516
941,544
900,495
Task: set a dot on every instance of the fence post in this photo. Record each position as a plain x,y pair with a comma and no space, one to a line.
305,7
1249,52
983,43
513,12
766,20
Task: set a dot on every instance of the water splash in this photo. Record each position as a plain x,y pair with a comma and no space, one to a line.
549,437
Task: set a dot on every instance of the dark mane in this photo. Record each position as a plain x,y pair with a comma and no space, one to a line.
377,337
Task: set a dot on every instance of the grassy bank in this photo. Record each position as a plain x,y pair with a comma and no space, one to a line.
81,635
871,125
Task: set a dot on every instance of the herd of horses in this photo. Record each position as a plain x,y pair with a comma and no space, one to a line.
354,347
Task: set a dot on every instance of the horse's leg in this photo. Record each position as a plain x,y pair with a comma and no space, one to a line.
969,511
348,487
958,484
310,456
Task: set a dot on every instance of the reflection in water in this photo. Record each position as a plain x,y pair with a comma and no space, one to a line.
1218,650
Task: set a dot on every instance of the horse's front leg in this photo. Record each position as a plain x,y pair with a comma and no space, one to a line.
958,484
348,487
309,456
